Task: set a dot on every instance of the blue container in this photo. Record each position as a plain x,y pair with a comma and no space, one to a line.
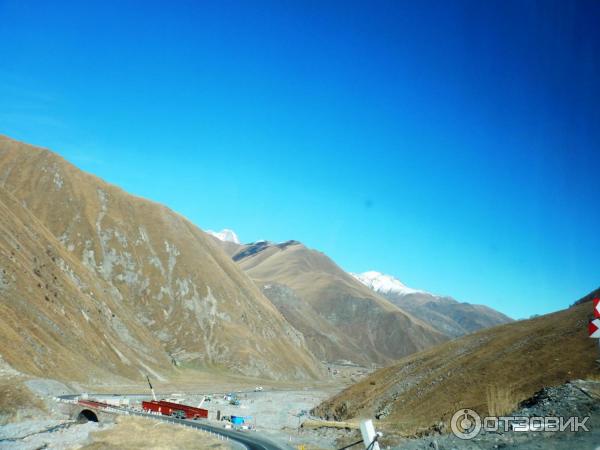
236,420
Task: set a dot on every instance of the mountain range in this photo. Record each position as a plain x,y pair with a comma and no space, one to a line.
130,269
340,318
447,315
342,315
97,283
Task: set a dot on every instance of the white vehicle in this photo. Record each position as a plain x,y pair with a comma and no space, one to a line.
258,389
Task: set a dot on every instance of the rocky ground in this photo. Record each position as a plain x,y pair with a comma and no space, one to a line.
574,399
37,434
578,398
30,419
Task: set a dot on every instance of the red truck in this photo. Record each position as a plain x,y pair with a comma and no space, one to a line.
175,410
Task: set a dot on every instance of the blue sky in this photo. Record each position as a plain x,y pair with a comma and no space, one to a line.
455,145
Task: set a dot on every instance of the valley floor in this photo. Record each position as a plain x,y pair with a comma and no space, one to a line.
31,419
279,412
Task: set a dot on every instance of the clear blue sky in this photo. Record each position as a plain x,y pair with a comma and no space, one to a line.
455,145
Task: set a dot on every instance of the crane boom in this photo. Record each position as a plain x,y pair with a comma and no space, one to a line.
151,388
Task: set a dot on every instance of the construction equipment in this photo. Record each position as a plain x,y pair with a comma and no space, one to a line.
151,388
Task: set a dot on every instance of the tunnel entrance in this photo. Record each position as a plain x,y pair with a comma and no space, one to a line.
87,415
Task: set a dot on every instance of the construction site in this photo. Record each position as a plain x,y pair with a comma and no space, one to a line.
255,418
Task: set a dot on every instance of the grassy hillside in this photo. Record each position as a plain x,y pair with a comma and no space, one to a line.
56,318
446,314
175,283
493,369
340,317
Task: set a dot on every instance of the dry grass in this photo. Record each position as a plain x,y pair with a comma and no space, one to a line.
313,424
17,401
501,400
56,311
339,316
138,433
517,360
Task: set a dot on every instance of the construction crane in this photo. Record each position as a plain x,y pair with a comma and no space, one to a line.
151,388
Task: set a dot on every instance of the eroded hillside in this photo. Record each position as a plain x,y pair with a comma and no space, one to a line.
56,318
341,318
177,285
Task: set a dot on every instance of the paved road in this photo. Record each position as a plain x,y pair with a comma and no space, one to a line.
249,440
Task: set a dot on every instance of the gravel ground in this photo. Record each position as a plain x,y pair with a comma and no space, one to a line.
50,428
274,413
37,434
277,414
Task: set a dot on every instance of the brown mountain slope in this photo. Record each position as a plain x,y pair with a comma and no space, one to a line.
56,318
340,318
446,314
176,281
514,360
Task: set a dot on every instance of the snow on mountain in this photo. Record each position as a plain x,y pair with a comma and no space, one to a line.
225,235
384,284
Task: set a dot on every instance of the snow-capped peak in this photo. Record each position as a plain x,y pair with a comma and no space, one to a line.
225,235
383,284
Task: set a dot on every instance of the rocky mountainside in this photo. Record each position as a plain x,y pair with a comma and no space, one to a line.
56,318
447,315
341,319
184,297
490,370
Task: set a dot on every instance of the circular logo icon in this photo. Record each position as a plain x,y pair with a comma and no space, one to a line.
465,424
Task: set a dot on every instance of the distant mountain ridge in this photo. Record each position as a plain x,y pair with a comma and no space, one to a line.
341,319
384,284
225,235
444,314
447,315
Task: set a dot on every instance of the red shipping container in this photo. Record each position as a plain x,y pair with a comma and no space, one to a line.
169,409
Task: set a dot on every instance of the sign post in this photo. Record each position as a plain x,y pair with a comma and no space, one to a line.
594,325
367,430
594,328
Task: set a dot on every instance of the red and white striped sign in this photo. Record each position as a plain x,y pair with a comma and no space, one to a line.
596,307
594,328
